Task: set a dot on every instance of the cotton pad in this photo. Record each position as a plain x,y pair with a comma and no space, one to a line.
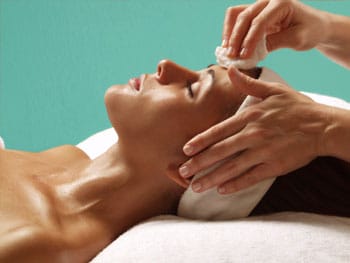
259,54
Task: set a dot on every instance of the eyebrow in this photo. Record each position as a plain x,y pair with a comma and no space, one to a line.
210,65
211,72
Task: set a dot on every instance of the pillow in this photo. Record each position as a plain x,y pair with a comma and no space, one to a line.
98,143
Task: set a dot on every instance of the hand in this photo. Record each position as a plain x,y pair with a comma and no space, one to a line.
281,133
285,23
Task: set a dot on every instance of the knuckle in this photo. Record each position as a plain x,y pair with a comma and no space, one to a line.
251,82
229,171
257,132
215,131
224,146
220,176
244,15
229,168
234,37
253,113
209,181
195,164
218,131
257,21
247,133
252,38
201,141
230,11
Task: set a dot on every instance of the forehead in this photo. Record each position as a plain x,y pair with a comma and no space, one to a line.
222,93
221,81
215,67
221,77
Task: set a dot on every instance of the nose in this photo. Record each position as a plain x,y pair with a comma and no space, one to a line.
170,72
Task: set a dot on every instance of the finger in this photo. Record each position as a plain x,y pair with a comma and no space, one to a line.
229,21
232,168
227,148
253,176
218,152
251,86
242,25
262,24
216,133
172,173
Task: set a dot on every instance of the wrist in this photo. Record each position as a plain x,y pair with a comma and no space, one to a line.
328,24
336,136
334,27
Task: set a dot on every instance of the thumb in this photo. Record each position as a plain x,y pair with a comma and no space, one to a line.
250,86
172,172
283,39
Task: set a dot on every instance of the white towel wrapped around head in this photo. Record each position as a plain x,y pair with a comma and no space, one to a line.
259,54
210,205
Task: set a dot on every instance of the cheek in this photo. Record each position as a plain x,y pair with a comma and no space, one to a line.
171,123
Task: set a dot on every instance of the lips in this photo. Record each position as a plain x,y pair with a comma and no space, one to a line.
135,83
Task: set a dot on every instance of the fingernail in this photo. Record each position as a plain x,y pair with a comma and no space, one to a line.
232,53
184,170
222,190
224,43
196,187
188,149
243,52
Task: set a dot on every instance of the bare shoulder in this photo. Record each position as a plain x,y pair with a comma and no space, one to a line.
30,243
33,243
64,153
61,155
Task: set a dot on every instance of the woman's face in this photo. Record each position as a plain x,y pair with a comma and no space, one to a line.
161,111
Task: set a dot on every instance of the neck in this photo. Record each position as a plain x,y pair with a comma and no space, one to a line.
118,190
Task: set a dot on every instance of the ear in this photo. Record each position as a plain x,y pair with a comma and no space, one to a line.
173,173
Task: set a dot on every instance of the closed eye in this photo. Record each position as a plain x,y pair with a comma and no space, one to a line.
189,88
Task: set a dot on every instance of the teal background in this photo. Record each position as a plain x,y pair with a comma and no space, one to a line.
57,57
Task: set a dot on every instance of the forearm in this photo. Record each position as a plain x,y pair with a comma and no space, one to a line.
337,134
336,44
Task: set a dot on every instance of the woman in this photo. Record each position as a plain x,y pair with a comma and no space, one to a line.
60,206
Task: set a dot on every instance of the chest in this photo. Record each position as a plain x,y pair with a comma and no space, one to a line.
27,200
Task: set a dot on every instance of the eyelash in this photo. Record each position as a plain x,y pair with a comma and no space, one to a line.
189,88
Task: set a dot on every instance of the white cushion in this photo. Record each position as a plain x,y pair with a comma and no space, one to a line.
283,237
98,143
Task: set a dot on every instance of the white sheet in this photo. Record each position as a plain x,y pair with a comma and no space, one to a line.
282,237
